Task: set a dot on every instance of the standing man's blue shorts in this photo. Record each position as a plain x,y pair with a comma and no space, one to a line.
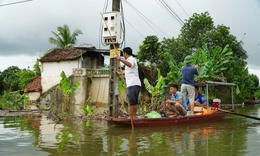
133,93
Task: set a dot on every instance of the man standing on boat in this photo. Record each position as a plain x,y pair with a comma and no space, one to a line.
187,84
133,83
177,103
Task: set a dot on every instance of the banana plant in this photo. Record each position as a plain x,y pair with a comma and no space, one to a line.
212,62
15,99
174,76
156,91
66,88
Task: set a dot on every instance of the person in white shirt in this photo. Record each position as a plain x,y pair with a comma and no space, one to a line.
133,83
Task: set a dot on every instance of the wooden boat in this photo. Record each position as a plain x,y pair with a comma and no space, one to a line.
168,121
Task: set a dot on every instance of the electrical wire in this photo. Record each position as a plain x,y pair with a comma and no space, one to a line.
182,8
178,17
145,19
172,13
123,25
159,2
243,37
15,3
134,28
106,4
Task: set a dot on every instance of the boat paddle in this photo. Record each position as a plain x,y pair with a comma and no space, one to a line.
247,116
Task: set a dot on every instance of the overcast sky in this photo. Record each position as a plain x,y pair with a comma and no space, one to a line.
26,27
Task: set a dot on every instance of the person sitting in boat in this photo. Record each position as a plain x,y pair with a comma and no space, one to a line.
177,103
200,101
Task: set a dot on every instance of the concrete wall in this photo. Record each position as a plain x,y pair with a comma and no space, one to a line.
94,87
81,94
33,96
50,72
99,89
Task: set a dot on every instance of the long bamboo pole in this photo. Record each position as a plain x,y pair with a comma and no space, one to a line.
247,116
131,117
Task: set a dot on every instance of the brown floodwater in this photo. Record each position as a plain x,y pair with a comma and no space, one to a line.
234,135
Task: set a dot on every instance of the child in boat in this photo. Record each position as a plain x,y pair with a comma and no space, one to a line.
200,101
177,104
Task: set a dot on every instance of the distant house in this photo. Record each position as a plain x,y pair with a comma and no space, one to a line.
81,64
34,89
58,60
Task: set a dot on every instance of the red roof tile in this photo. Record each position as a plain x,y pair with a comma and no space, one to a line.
35,85
59,54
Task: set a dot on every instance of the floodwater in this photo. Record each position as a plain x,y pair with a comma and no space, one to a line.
234,135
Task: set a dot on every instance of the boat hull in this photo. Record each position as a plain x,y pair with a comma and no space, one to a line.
167,121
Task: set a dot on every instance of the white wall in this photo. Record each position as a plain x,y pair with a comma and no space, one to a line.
33,96
99,89
51,72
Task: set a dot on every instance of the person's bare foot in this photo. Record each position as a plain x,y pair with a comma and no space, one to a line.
174,115
130,117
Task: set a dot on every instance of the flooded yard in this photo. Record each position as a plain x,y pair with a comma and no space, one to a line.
26,136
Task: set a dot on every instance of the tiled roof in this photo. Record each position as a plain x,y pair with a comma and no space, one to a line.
35,85
58,54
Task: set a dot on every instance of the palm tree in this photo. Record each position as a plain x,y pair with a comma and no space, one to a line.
64,38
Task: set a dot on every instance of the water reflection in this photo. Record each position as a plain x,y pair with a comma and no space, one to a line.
202,139
17,138
234,135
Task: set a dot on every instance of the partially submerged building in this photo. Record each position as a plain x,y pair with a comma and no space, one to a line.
82,64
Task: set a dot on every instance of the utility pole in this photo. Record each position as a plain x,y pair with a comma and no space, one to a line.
113,92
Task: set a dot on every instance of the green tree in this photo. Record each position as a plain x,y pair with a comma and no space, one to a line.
196,30
64,38
36,68
200,29
257,93
197,33
25,76
1,83
10,79
148,55
148,51
252,83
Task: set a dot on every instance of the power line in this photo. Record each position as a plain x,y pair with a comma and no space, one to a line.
106,4
243,37
145,19
123,24
182,8
15,3
169,9
172,13
134,28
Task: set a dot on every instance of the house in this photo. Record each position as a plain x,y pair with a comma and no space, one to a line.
80,64
34,89
58,60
